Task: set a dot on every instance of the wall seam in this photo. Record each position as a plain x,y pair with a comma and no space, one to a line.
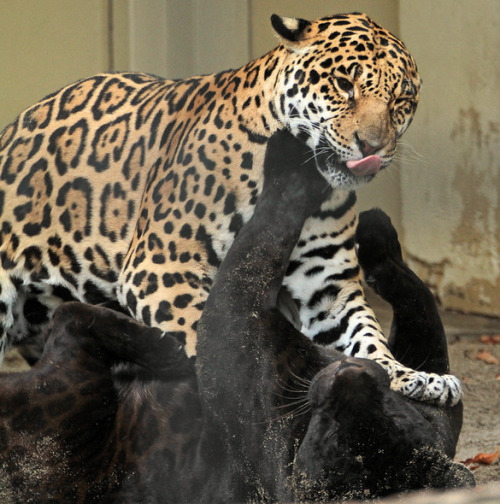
110,37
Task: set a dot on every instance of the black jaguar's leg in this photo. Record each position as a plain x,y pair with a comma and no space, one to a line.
250,277
417,337
114,337
243,339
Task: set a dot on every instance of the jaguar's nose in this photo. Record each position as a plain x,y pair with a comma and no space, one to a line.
367,148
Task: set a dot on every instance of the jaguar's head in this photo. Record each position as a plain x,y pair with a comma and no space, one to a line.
349,89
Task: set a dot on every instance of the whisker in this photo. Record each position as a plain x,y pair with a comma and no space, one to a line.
293,391
301,411
298,391
313,156
409,158
296,413
406,145
293,403
299,379
289,398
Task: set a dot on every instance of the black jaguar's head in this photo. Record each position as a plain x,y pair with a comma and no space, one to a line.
364,439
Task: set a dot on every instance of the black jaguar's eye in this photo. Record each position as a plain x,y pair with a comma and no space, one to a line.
345,86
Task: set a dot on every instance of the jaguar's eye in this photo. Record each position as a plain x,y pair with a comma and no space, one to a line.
400,101
345,86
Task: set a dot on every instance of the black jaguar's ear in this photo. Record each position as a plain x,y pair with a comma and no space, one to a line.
290,30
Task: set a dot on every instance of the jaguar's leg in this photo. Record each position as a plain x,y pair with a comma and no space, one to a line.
113,338
27,334
171,297
33,310
8,299
324,278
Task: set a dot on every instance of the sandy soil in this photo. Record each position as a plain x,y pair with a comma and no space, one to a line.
481,384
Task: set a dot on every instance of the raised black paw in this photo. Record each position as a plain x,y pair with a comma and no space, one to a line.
377,242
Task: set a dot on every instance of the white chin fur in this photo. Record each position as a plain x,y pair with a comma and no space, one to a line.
339,178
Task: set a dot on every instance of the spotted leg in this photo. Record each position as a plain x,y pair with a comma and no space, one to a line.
8,297
324,279
171,296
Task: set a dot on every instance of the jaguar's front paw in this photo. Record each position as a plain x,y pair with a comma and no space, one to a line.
444,390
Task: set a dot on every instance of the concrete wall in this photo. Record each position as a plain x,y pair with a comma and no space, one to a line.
45,45
451,191
180,38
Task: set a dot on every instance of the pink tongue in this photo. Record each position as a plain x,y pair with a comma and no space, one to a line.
366,166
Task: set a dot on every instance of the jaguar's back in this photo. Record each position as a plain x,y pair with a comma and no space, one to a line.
80,170
129,187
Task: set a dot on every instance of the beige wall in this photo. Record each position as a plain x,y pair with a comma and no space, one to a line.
444,193
179,38
45,44
451,196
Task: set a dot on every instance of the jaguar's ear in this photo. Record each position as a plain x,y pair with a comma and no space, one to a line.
291,30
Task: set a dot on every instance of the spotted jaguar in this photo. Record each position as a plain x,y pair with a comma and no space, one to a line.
131,188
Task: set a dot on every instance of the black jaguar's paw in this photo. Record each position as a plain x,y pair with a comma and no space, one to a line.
380,257
290,170
377,240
